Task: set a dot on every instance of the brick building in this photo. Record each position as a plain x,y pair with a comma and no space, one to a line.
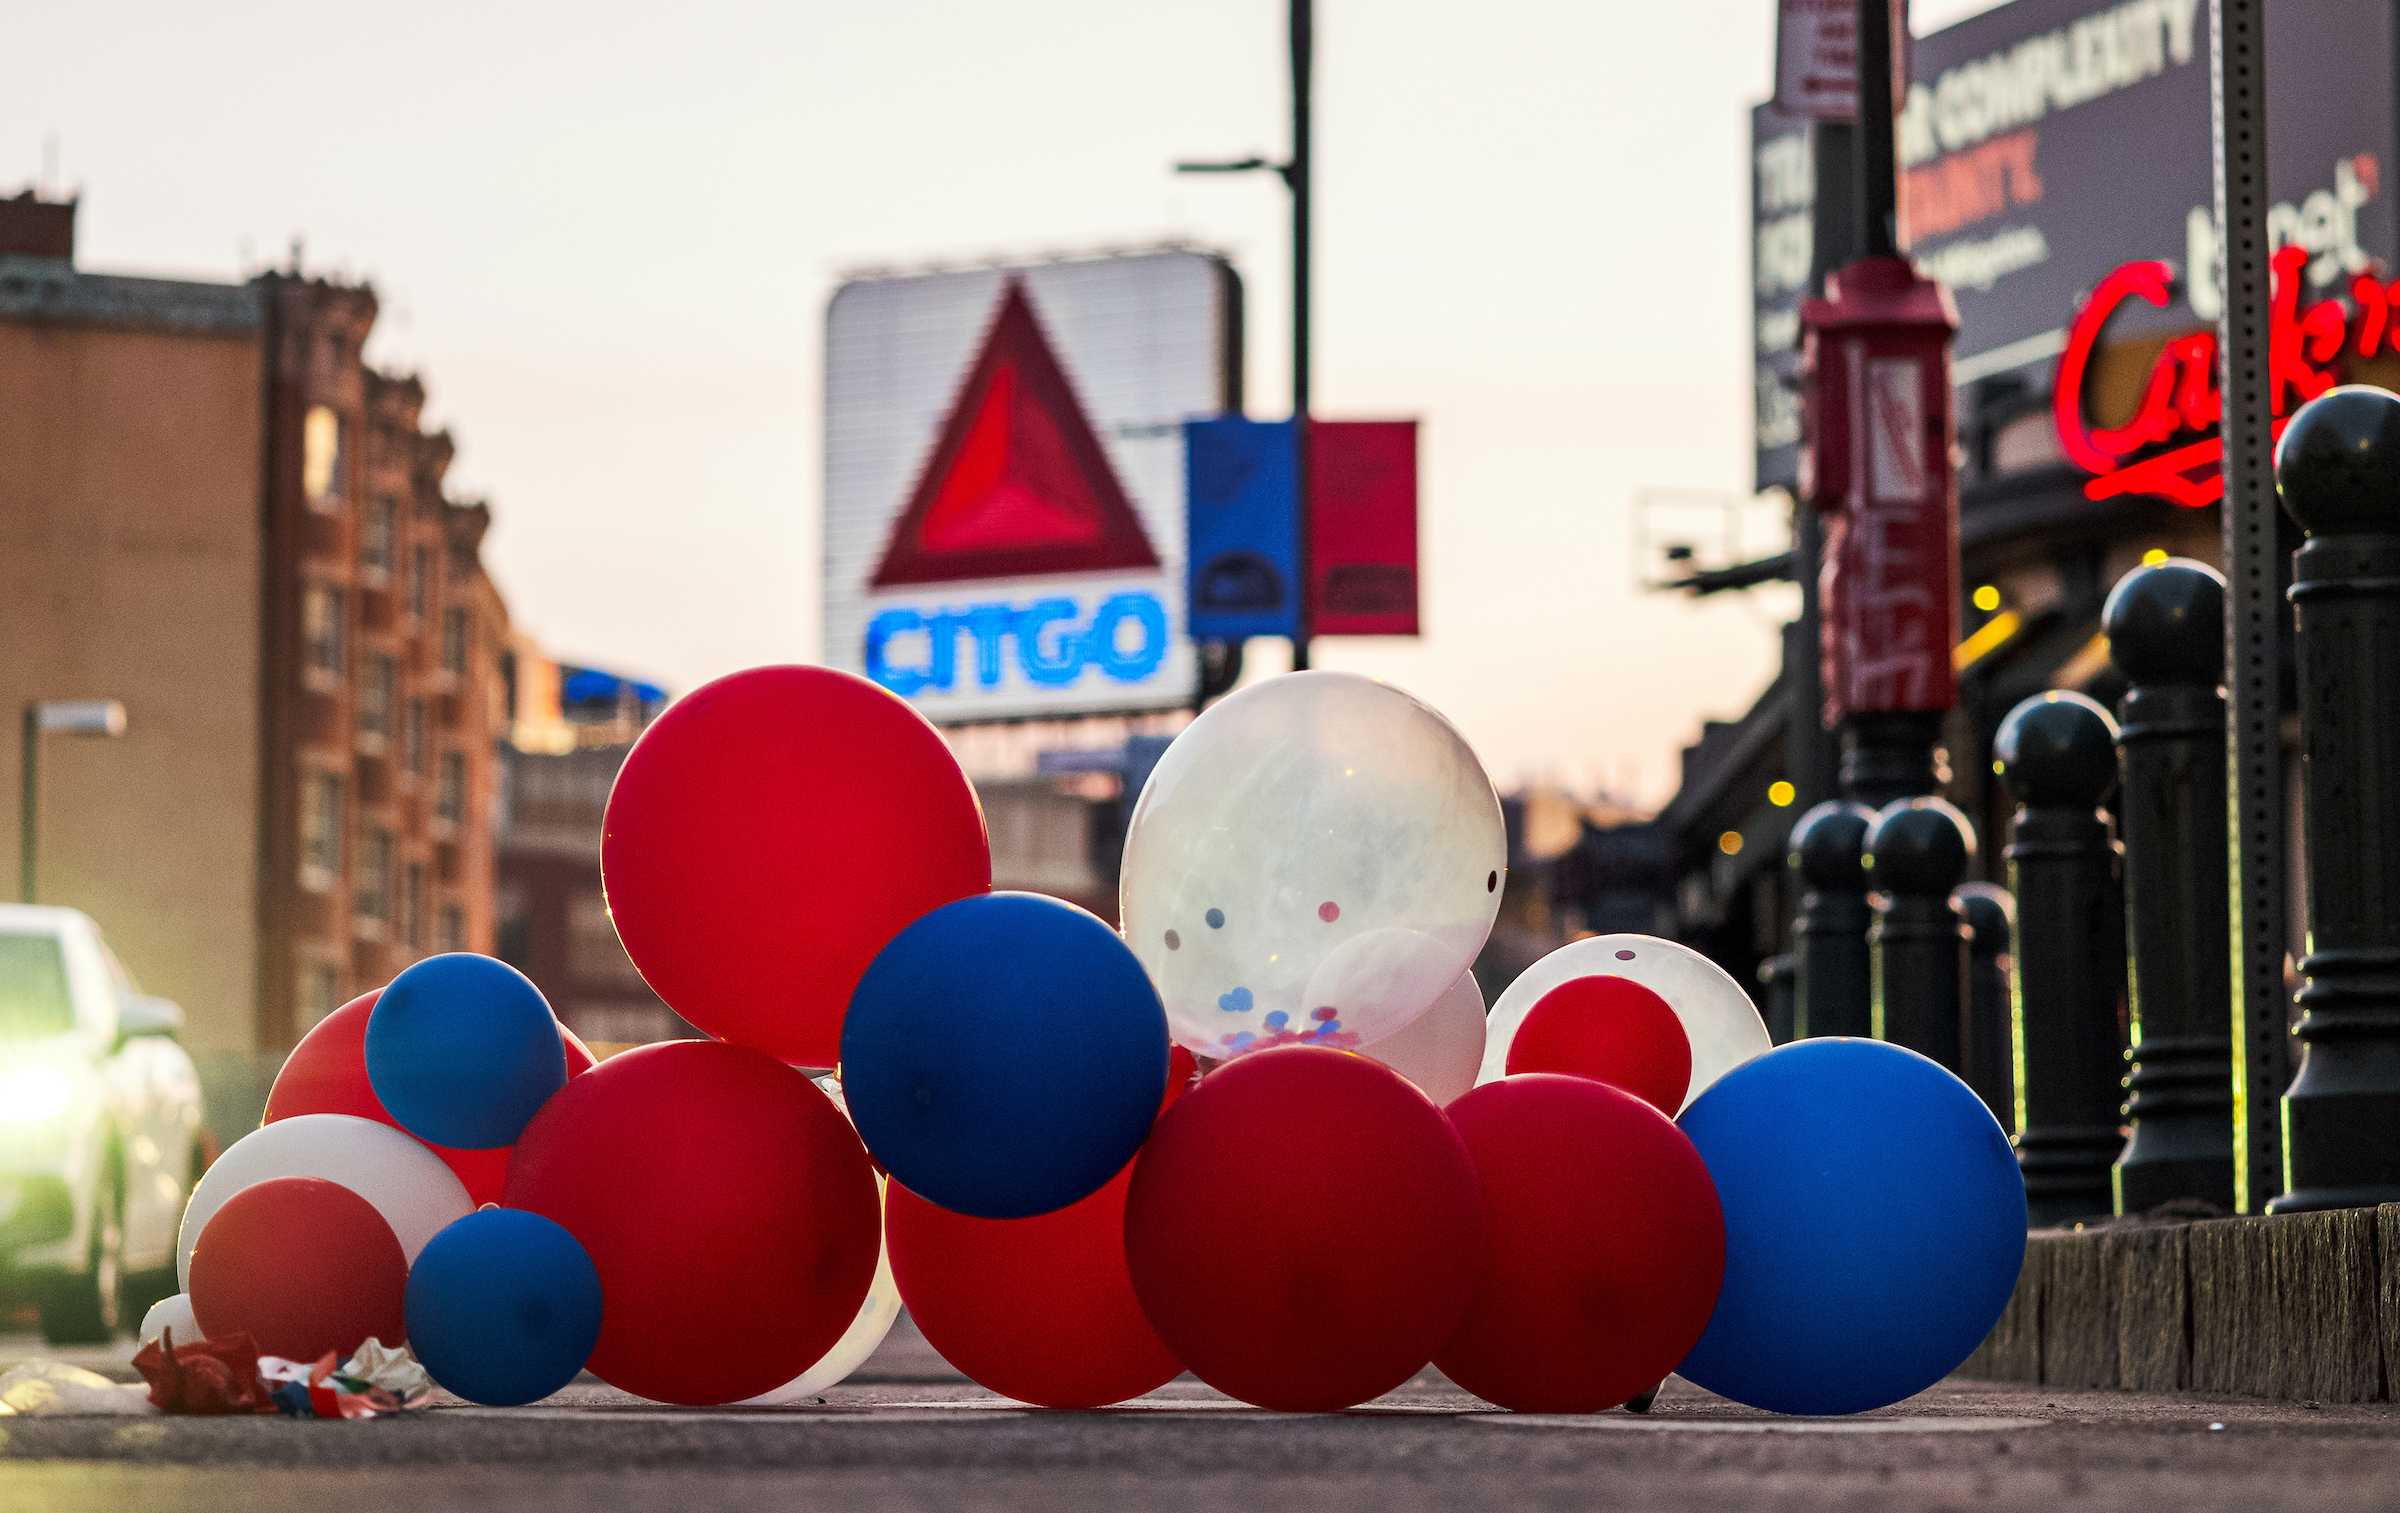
212,509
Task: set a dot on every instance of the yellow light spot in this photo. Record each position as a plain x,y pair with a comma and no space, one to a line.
1998,769
1987,598
1730,843
1983,643
2154,556
1781,794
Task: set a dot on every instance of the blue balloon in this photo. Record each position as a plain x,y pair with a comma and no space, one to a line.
503,1307
1004,1056
1874,1226
463,1051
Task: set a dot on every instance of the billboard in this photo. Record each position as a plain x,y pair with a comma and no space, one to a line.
1783,198
2047,142
1004,480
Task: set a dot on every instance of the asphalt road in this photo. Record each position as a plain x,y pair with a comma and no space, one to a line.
908,1433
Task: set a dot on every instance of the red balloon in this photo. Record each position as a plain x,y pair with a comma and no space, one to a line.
302,1266
1303,1229
1612,1028
727,1204
327,1074
1603,1246
768,835
1039,1309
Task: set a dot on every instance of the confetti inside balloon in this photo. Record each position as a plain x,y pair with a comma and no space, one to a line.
1314,861
1616,1031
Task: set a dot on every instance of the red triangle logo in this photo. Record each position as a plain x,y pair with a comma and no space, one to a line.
1018,483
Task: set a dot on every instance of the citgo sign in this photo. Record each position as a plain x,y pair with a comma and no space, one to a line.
1004,481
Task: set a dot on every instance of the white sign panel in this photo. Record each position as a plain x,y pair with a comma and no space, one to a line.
1004,481
1816,59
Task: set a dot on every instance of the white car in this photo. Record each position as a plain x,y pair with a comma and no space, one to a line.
99,1127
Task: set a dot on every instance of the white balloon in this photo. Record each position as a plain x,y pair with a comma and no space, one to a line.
1315,859
1440,1049
171,1313
875,1319
876,1313
407,1183
1718,1018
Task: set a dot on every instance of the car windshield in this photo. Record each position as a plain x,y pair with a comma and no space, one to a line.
33,987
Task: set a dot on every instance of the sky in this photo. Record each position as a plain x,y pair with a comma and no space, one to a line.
604,235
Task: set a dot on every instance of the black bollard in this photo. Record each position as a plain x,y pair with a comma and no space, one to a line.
2166,632
1986,1045
2338,470
1776,977
1917,852
2058,752
1833,989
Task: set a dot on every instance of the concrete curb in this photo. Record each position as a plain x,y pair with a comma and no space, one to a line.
2302,1307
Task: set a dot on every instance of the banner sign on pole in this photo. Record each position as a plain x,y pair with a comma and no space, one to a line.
1244,549
1362,479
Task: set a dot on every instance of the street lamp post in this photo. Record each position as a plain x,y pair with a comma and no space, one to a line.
83,717
1295,175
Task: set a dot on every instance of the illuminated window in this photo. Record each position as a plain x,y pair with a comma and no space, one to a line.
324,629
1781,794
321,832
322,458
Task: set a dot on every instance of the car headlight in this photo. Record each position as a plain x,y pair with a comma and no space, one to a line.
28,1093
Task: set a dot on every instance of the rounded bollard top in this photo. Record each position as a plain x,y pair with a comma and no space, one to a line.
2337,468
1827,845
2166,623
1919,845
1991,912
2058,749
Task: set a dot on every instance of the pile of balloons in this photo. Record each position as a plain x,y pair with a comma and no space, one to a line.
1267,1133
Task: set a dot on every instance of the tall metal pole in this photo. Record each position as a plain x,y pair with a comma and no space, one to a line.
27,805
1878,172
1296,175
2254,608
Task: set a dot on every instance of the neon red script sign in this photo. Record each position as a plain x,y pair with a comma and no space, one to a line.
2182,398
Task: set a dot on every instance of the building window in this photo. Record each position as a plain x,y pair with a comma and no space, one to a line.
320,991
324,458
420,580
374,895
379,533
594,954
321,832
412,908
415,745
376,695
324,629
454,641
451,802
454,928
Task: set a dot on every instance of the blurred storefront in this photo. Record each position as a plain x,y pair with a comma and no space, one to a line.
2056,175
